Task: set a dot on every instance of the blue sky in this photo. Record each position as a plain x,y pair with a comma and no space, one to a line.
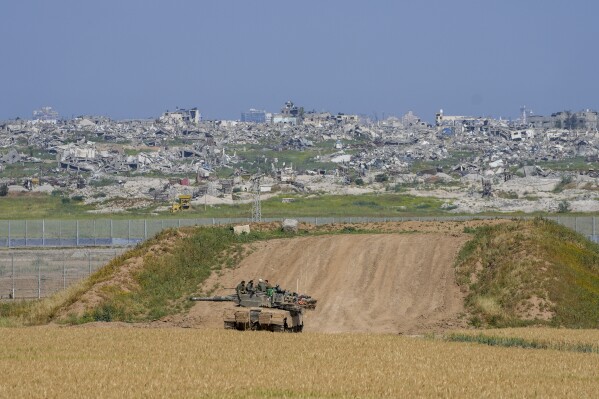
138,58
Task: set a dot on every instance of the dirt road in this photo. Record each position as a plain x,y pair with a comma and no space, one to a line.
390,283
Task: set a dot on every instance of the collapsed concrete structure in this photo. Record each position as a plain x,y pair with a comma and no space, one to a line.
180,153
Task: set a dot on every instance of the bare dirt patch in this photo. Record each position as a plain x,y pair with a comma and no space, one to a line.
536,308
388,283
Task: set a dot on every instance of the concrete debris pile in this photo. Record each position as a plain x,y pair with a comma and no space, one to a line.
155,160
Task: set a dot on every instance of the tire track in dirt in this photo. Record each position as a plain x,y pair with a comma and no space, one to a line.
389,283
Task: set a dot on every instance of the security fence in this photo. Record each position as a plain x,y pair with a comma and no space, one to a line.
86,245
113,233
27,274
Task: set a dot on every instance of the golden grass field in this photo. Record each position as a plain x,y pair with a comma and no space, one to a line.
169,362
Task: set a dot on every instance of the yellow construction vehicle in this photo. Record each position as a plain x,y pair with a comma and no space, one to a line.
183,202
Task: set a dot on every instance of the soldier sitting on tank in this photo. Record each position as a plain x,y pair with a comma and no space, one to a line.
240,289
261,286
269,288
249,288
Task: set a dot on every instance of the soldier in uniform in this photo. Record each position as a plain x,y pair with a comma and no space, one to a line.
269,288
240,289
250,287
261,286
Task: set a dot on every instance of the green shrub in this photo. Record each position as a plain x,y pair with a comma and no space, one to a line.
102,182
563,207
381,178
565,181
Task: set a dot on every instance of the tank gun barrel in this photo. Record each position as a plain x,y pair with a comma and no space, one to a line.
226,298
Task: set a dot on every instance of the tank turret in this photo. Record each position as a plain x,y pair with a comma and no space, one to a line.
274,309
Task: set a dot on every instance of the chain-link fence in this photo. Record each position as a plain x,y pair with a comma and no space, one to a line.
111,233
84,233
26,274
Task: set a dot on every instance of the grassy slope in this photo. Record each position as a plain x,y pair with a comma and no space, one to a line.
169,275
504,266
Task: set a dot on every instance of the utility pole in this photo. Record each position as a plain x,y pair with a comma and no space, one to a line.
257,208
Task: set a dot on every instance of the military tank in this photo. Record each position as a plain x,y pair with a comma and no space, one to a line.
272,310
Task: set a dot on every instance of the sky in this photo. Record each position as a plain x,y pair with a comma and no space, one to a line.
138,58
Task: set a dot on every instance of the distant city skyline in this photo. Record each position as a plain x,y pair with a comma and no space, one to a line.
137,59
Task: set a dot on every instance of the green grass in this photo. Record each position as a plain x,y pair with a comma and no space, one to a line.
511,342
40,206
569,164
505,266
43,206
374,205
253,158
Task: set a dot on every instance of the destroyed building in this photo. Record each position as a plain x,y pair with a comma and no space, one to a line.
181,145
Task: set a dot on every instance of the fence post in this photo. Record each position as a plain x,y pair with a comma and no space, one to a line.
594,239
60,233
95,232
89,262
43,233
145,229
129,231
9,234
25,232
178,222
39,279
12,262
64,271
111,238
77,233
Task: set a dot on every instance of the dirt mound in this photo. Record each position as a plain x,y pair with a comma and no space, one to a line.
392,283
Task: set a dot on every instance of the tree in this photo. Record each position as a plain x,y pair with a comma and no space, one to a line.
3,190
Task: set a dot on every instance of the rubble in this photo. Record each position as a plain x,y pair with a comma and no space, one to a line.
148,160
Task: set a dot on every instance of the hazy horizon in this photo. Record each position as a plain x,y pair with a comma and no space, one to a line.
136,59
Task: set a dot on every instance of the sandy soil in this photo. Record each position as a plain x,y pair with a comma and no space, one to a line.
388,283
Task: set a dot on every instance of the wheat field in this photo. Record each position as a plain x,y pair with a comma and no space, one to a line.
169,362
